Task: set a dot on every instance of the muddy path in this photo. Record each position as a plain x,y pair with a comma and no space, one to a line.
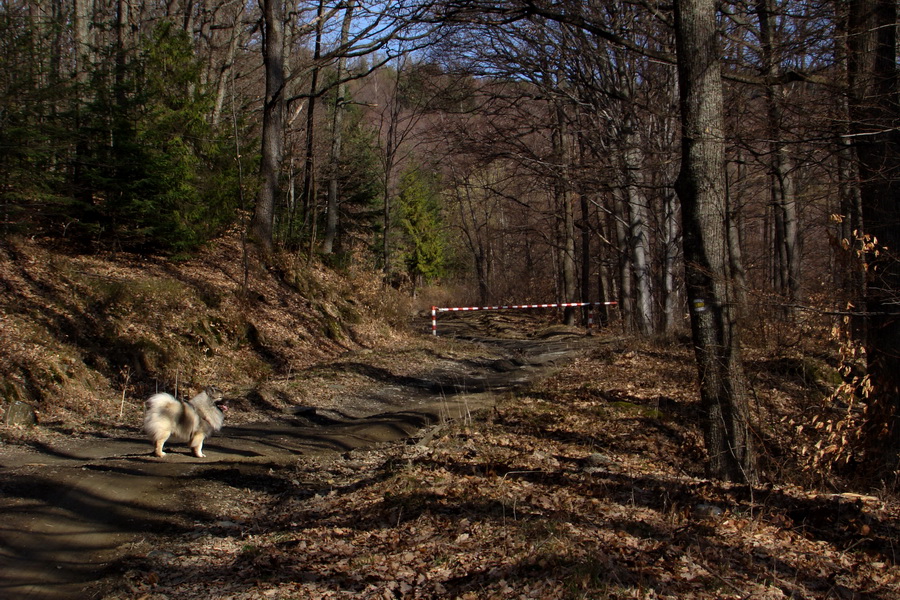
71,510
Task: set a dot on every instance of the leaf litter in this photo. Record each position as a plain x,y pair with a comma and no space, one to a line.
588,484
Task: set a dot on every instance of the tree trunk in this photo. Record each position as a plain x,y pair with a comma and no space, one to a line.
568,258
586,263
609,256
872,82
562,192
225,70
84,59
701,188
784,196
390,152
82,12
391,146
639,240
671,304
310,203
585,250
624,263
121,51
333,211
735,249
263,223
849,273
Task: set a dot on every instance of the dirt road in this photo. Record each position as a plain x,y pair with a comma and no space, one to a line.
71,511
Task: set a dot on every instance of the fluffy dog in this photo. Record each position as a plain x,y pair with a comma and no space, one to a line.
192,421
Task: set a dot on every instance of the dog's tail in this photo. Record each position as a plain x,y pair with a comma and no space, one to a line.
209,404
160,398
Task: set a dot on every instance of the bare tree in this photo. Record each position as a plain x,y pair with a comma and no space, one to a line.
382,24
263,223
333,210
786,271
219,70
638,235
563,196
708,272
850,266
399,119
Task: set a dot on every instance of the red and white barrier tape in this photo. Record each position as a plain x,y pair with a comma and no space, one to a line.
436,309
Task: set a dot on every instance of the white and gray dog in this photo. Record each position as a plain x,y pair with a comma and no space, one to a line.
189,421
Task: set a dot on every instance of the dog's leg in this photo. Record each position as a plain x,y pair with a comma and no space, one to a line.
158,447
197,445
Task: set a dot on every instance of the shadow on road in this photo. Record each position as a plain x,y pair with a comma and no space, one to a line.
71,509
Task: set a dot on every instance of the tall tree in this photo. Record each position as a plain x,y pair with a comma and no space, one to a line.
82,14
638,235
701,189
309,164
337,136
786,270
263,223
221,68
874,102
563,196
399,119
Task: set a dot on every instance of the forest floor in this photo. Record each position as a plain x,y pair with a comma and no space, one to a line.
505,458
494,462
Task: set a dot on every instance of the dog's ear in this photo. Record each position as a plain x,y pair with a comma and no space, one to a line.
214,393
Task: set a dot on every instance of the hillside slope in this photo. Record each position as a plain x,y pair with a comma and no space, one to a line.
87,338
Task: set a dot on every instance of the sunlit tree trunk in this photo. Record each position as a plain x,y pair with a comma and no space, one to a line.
223,73
638,236
671,304
708,275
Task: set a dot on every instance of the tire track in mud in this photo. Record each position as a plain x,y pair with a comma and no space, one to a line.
70,511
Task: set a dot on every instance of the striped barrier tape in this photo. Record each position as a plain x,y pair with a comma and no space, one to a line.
436,309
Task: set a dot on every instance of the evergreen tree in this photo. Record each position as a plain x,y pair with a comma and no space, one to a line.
424,242
160,175
33,134
358,187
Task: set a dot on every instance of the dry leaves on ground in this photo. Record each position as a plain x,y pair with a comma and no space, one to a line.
588,485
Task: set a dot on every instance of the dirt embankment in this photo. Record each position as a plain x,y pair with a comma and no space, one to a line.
87,337
74,508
